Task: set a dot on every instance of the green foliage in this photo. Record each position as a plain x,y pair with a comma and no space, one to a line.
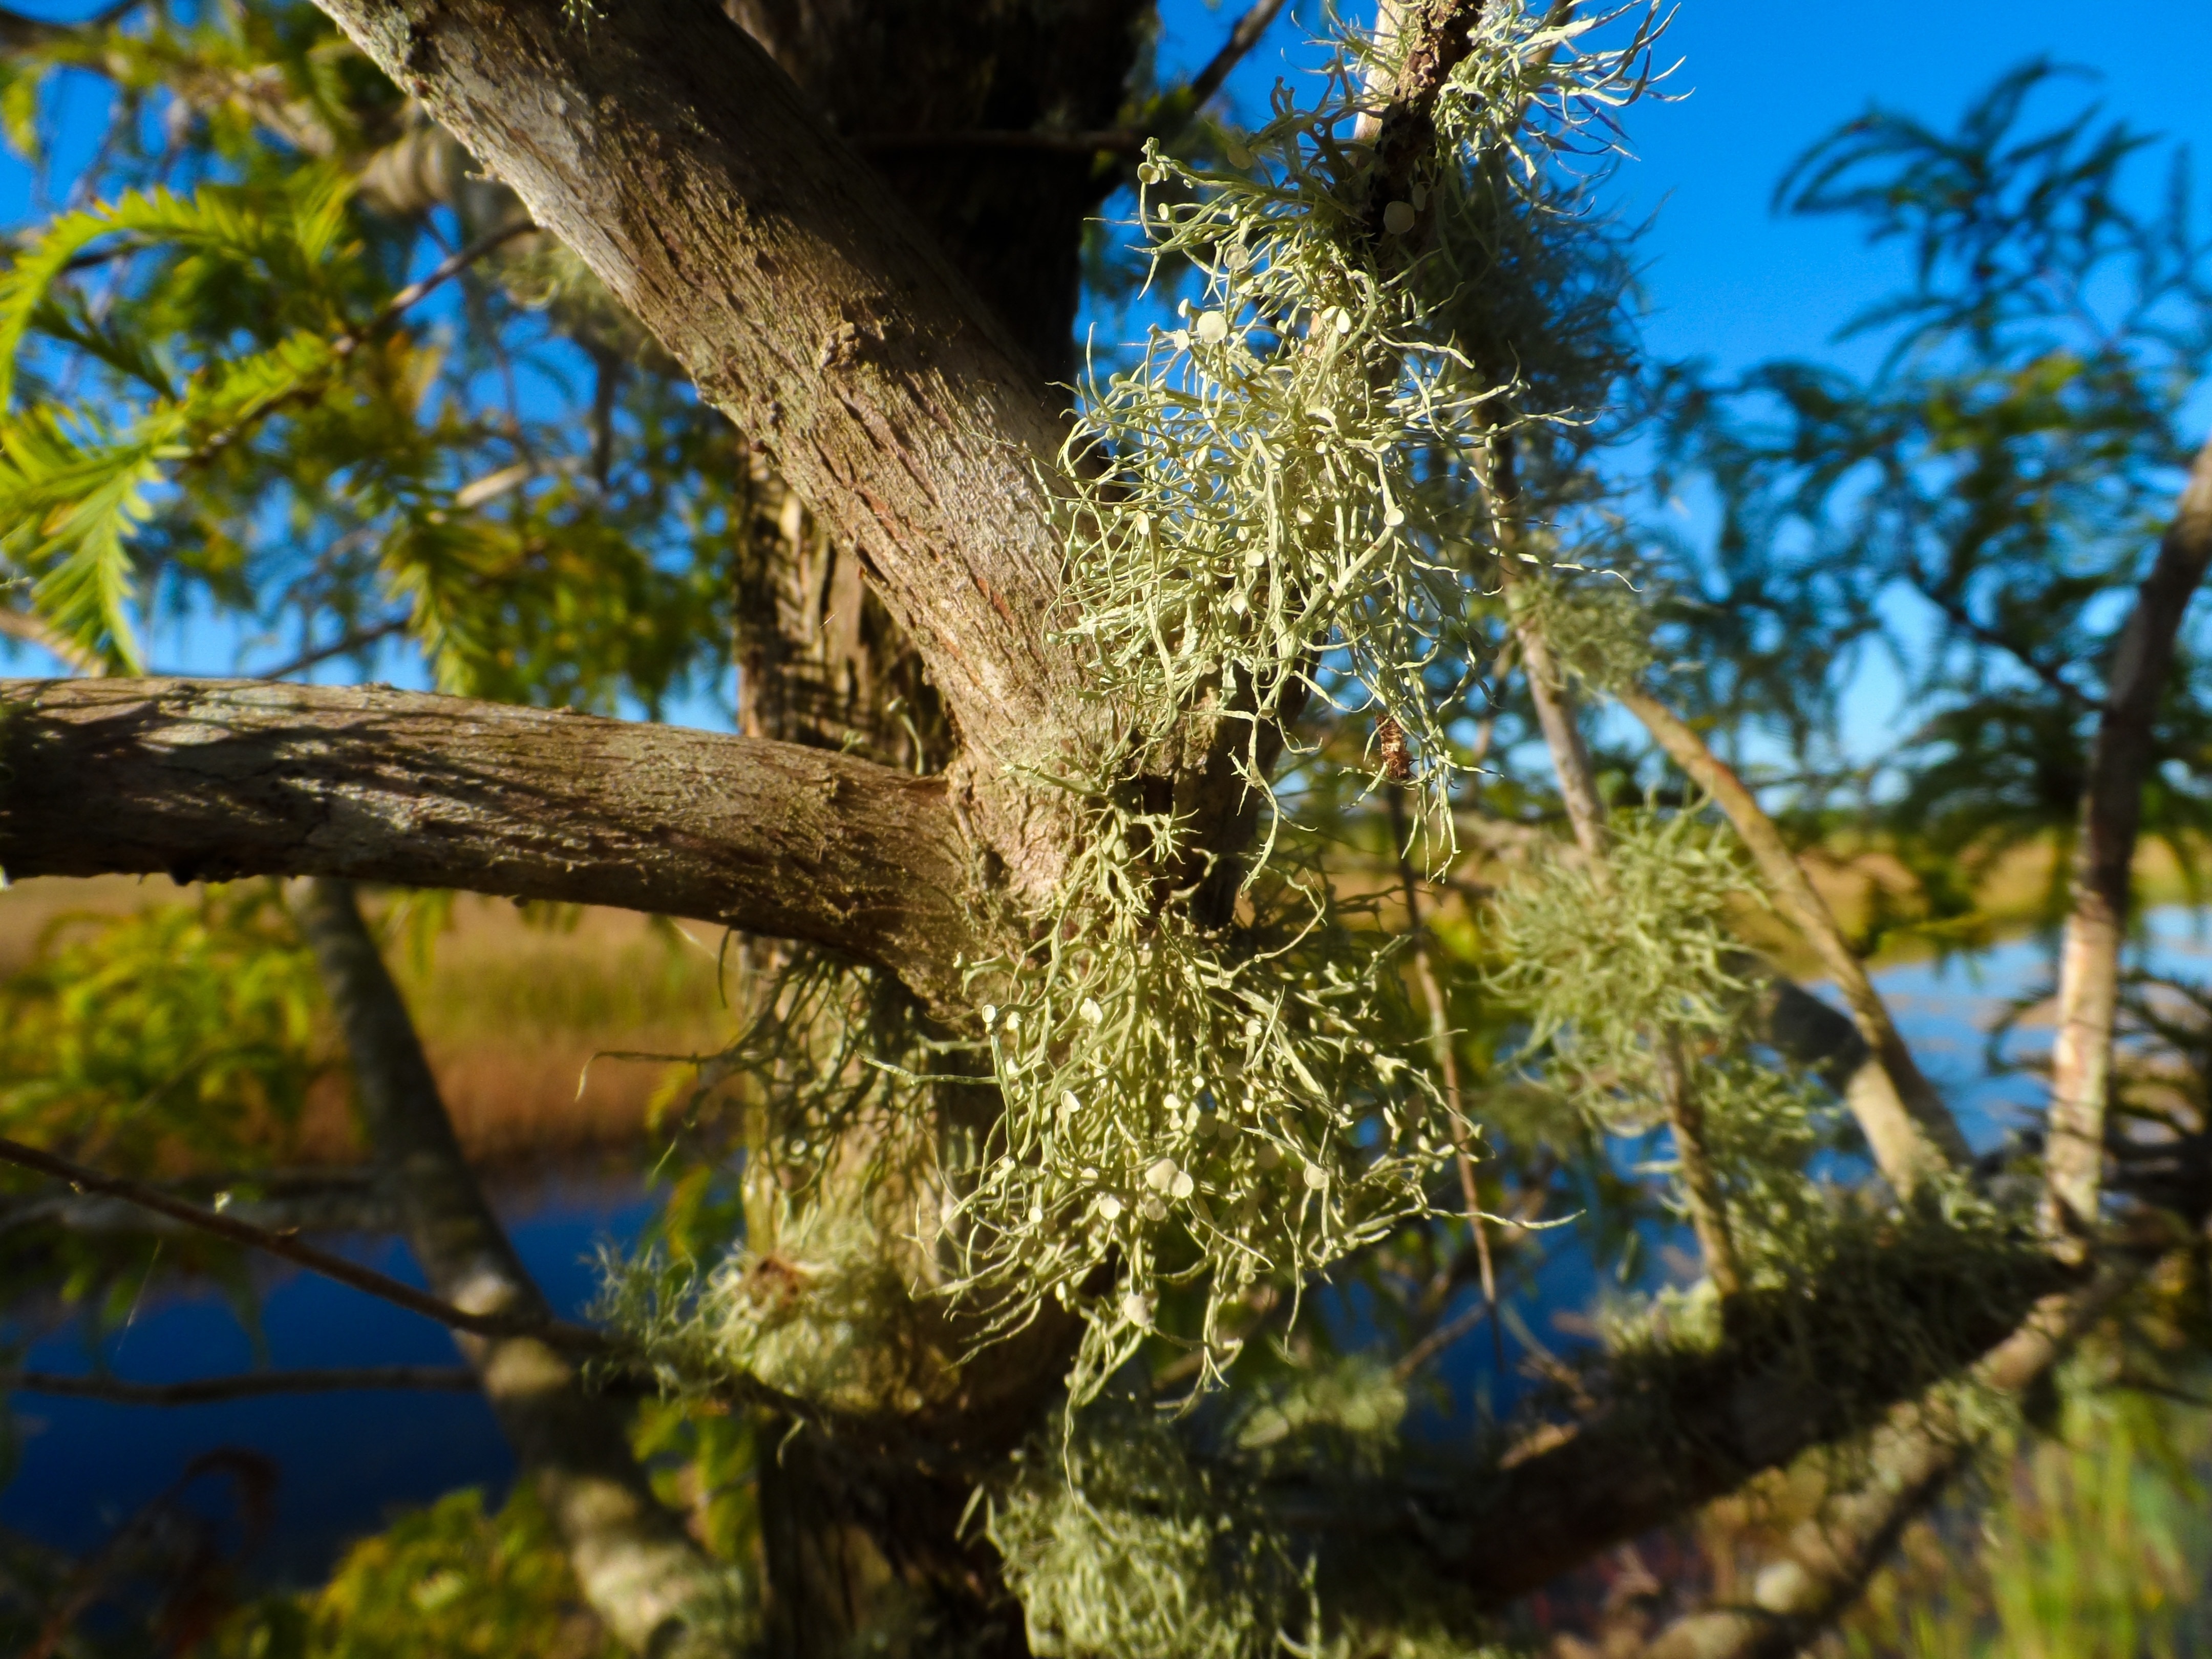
186,1033
2009,466
448,1581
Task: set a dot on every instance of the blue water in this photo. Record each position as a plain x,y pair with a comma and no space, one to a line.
345,1461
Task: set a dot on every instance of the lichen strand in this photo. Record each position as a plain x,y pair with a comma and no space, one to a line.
1185,1113
1290,493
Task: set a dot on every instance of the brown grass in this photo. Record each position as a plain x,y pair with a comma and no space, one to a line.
512,1013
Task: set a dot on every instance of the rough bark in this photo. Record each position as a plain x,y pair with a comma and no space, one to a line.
1910,1130
663,146
2103,856
217,779
820,662
637,1567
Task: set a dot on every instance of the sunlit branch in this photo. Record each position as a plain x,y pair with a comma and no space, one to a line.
1912,1132
2104,860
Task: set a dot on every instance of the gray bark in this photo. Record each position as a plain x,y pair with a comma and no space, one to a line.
638,1568
210,780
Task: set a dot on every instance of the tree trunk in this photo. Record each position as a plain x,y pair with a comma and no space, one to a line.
639,1569
2104,859
905,81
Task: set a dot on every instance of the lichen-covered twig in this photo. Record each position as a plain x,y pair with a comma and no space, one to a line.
1911,1132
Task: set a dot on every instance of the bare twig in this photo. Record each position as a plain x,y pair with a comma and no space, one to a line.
2104,857
323,653
246,1385
29,629
574,1339
1446,1050
445,269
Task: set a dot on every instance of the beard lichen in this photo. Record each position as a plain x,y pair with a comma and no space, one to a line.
1201,1074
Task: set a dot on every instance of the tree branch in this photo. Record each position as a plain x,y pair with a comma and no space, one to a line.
665,146
1910,1130
2104,859
638,1568
1663,1441
575,1339
248,1385
1909,1460
210,780
1182,105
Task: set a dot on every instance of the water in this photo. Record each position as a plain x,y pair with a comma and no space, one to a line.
347,1461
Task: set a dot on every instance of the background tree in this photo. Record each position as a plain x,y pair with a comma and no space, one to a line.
1108,992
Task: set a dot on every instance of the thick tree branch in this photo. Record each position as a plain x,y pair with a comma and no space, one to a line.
1178,107
637,1567
2103,856
215,779
1662,1443
665,146
1909,1128
247,1385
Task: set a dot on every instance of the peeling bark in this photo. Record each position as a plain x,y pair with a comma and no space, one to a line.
211,781
638,1568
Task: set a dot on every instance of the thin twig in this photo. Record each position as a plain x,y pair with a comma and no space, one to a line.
1440,1039
321,655
450,267
246,1385
575,1339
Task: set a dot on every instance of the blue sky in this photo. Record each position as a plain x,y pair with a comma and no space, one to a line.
1759,81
